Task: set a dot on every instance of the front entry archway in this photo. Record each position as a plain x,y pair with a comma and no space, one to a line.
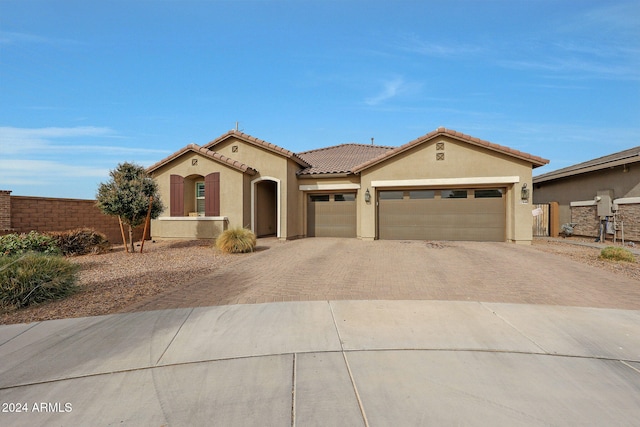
265,207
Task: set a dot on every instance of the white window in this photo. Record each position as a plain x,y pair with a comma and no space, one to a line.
200,198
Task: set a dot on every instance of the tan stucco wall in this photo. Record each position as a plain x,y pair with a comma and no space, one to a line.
185,228
232,184
461,160
269,165
296,217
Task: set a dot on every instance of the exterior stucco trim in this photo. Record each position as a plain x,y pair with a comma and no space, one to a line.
584,203
192,218
329,187
278,202
482,180
627,201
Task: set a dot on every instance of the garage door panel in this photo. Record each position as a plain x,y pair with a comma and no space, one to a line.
331,218
472,219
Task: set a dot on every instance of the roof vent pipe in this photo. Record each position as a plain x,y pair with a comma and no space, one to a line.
371,140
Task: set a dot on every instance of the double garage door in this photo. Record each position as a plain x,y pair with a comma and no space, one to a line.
457,214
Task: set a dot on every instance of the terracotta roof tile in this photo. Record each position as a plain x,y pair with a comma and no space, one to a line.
339,158
207,153
258,142
535,160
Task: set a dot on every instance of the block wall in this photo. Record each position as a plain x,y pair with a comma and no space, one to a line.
630,216
52,214
5,211
589,221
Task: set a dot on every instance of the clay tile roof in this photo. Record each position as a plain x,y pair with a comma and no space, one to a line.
535,160
631,155
339,158
207,153
258,142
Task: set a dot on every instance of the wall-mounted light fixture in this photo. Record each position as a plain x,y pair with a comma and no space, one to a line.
367,196
524,193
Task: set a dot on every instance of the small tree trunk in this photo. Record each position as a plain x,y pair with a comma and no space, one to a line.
133,250
146,223
124,240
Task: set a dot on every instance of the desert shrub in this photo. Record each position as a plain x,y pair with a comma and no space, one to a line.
16,244
616,253
80,241
236,240
34,278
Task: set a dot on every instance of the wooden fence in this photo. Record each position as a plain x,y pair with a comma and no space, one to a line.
541,223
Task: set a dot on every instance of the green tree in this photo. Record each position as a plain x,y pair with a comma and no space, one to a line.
127,195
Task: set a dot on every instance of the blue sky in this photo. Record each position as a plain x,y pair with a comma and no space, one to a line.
85,85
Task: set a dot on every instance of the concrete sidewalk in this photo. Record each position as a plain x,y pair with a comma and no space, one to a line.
342,363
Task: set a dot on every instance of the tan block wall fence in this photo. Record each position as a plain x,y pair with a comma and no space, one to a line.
588,222
22,214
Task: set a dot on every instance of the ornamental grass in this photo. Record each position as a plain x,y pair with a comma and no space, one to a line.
34,278
236,240
616,253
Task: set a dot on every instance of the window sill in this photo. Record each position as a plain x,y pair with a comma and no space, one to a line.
192,218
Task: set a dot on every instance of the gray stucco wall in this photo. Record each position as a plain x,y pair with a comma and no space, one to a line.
585,186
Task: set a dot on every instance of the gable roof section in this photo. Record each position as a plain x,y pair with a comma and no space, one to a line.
217,157
534,160
258,143
339,158
632,155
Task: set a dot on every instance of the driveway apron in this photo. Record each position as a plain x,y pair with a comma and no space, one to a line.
316,269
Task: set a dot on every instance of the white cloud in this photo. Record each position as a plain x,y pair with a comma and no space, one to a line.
392,89
27,169
12,38
18,140
412,43
59,160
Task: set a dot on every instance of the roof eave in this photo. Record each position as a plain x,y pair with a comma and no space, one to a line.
551,176
534,160
322,175
258,143
217,157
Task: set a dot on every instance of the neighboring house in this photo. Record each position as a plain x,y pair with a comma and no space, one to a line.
583,192
442,186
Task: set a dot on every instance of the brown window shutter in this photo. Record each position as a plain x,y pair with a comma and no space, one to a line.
176,196
212,194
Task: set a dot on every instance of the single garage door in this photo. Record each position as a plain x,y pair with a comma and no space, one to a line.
457,214
331,215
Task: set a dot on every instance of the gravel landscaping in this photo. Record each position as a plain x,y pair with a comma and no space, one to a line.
111,282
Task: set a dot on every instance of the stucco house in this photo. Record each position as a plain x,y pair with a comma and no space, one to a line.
587,190
444,185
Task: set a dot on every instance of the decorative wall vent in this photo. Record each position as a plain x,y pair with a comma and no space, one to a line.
194,162
439,146
234,149
439,156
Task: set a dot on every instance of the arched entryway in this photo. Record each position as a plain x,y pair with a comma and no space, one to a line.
265,209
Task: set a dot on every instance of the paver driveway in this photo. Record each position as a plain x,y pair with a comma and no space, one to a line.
351,269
